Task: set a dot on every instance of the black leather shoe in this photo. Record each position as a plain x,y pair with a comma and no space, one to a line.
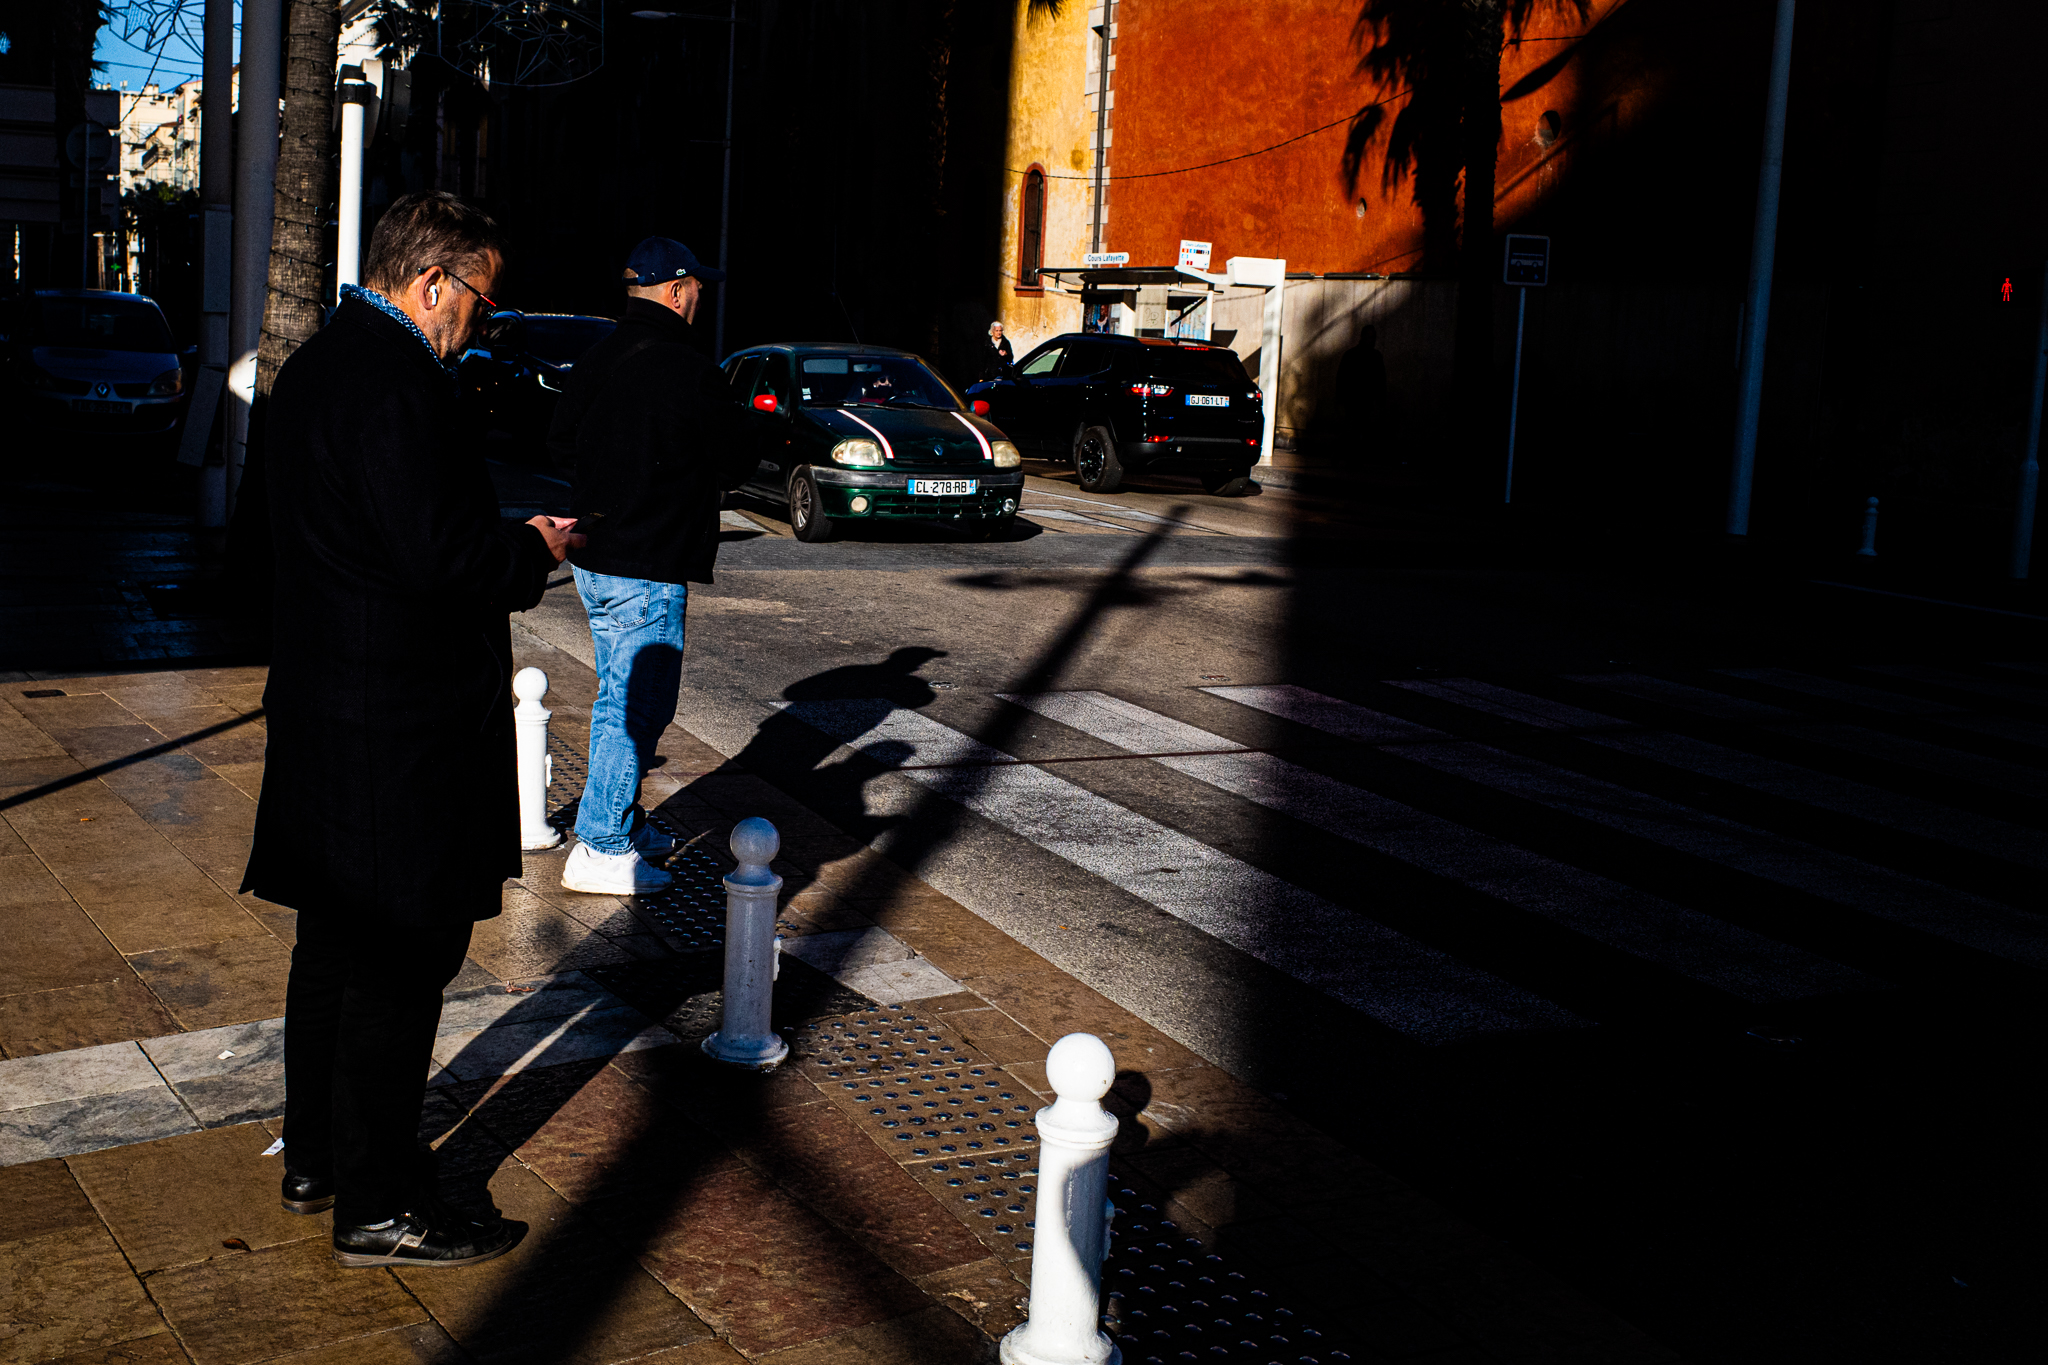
308,1193
436,1238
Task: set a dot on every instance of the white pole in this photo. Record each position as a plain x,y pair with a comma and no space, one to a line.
1763,249
217,197
348,237
2030,459
255,202
1269,361
744,1038
530,727
1515,394
1074,1134
1869,548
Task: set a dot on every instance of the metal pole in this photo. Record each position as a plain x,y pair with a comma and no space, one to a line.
1756,317
1101,121
1064,1326
2030,463
255,201
348,237
1515,394
732,42
745,1037
217,216
536,767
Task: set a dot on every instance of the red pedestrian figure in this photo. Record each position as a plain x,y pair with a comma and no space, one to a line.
2005,290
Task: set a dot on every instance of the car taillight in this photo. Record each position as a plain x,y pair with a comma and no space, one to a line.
1153,390
1158,438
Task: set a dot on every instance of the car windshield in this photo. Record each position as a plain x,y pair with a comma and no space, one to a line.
563,340
842,381
102,324
1185,365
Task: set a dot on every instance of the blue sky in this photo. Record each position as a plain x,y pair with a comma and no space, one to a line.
177,62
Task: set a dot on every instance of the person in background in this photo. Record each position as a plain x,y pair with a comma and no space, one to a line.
389,818
655,437
997,359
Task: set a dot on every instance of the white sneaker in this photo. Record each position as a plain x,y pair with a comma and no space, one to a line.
653,841
611,874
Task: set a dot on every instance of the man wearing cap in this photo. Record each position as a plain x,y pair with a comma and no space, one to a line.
654,436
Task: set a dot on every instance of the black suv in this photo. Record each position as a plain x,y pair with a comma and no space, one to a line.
1116,405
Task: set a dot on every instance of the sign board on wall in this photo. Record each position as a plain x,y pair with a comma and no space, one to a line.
1100,258
1528,260
1194,255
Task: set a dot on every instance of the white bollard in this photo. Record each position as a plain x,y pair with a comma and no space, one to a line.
744,1037
530,726
1074,1133
1869,530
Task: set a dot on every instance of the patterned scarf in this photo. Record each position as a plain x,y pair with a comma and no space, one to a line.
390,309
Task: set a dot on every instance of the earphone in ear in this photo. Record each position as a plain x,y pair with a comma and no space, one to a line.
434,293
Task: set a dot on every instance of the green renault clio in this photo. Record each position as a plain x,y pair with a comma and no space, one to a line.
864,433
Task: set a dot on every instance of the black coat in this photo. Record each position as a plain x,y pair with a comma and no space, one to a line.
388,783
996,359
655,437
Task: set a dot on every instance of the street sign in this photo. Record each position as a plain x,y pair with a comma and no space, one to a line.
89,146
1194,255
1528,261
1100,258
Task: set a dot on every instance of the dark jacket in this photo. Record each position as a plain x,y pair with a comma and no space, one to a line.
996,359
655,437
388,783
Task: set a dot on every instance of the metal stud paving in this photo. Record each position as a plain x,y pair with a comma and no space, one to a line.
1168,1299
691,911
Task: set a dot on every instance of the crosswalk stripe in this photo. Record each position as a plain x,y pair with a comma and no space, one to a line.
1891,809
1919,904
1961,682
1830,689
1855,739
1702,947
1405,985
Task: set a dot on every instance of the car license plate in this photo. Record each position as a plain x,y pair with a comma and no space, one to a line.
93,405
1208,400
942,487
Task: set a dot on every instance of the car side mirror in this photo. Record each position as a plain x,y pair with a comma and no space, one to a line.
764,402
981,407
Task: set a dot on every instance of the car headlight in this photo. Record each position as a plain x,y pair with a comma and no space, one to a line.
167,384
1007,456
859,452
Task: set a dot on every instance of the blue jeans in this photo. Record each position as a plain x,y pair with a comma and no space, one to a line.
637,629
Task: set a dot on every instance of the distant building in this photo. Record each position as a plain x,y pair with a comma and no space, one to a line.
160,137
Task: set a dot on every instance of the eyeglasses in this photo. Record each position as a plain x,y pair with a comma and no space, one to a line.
489,307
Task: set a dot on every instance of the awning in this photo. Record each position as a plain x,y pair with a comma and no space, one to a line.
1133,276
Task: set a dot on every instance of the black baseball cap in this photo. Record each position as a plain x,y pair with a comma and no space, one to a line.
661,259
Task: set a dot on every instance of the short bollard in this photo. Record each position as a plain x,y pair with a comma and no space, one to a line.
1869,529
744,1037
1074,1133
530,725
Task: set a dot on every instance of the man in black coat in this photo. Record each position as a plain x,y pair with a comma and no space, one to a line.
654,435
999,357
389,814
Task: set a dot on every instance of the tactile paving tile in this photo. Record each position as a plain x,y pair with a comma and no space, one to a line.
1168,1298
690,914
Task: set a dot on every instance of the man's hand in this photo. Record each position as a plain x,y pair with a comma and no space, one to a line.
558,532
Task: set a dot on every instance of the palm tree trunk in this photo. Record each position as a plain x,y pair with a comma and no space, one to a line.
302,232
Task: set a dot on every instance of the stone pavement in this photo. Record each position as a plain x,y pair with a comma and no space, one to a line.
871,1201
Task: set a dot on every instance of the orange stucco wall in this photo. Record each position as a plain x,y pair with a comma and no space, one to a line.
1198,81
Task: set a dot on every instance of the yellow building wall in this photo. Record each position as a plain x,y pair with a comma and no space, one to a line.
1051,126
